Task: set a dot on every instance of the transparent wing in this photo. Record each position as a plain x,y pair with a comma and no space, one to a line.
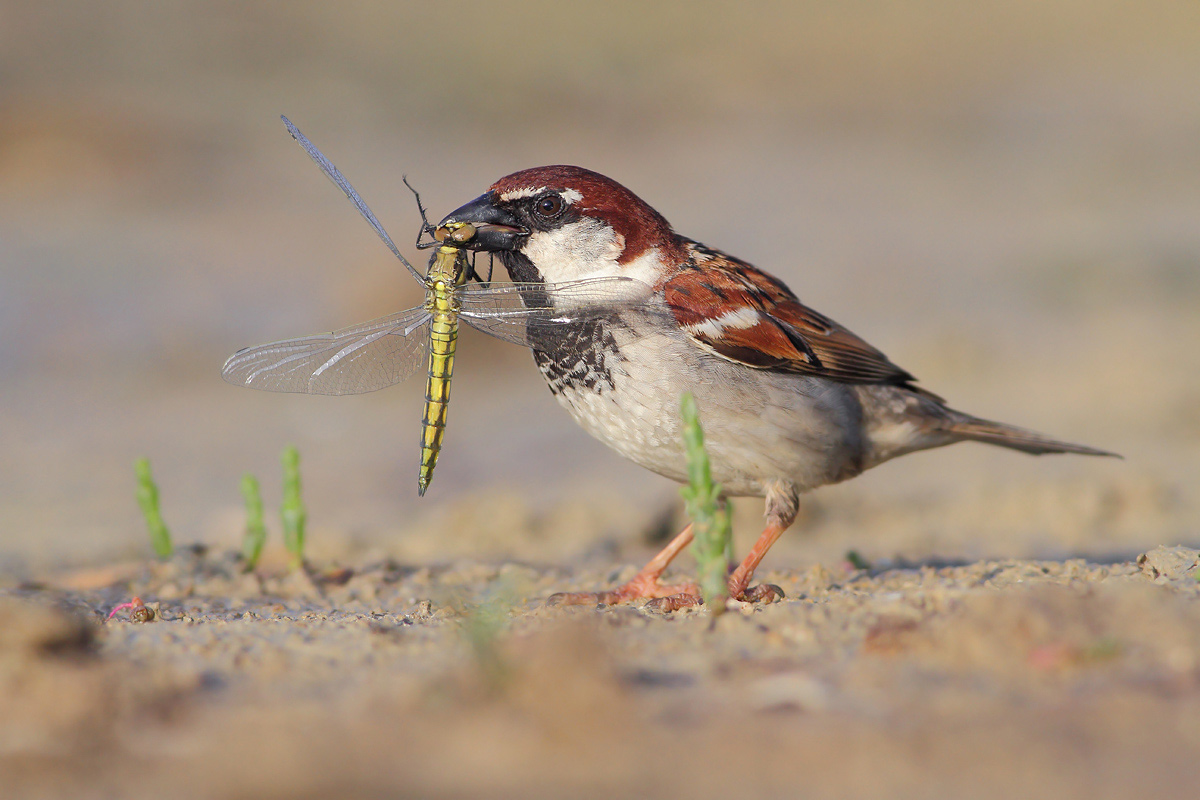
515,311
354,360
336,176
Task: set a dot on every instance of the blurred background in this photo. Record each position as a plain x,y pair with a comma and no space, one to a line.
1002,196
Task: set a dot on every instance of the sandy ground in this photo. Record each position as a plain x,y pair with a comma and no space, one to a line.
895,681
1003,197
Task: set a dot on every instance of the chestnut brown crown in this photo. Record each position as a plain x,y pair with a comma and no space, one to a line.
588,194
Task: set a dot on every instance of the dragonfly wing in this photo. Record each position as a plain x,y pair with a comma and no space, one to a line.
512,326
512,311
354,360
335,175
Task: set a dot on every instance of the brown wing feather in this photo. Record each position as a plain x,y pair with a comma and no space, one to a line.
748,316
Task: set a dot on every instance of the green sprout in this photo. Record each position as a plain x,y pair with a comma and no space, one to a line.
256,531
292,509
147,496
855,559
711,524
484,625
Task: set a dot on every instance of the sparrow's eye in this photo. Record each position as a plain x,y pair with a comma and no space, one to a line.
548,205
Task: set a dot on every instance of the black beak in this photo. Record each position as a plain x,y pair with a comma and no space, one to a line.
495,229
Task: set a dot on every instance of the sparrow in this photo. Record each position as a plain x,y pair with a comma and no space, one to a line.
789,399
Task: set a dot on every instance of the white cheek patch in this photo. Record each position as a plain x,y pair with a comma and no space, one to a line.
584,249
736,319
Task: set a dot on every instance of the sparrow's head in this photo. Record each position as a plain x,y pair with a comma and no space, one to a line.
562,223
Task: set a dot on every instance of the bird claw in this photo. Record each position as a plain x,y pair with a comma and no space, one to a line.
641,586
763,593
138,610
675,602
662,599
572,599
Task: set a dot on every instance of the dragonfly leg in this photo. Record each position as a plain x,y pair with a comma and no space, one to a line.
426,228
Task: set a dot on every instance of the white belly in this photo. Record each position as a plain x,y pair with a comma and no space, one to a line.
760,427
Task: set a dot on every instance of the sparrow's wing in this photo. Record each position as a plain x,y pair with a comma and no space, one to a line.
336,176
519,312
354,360
745,315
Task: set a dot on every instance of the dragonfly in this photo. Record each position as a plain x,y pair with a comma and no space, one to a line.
373,355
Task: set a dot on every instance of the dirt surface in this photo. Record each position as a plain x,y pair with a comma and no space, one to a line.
1001,196
894,681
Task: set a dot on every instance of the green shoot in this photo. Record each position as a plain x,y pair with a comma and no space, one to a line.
855,559
292,510
711,524
256,531
484,625
147,496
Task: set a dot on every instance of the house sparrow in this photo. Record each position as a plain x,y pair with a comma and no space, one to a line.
789,399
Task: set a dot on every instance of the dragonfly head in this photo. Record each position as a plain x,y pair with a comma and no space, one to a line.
496,229
458,233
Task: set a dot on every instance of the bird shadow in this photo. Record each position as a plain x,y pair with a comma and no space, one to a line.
1105,558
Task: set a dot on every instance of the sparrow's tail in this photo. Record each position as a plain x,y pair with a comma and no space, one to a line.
964,426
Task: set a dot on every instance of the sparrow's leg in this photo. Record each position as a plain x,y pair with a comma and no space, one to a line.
644,584
782,503
739,579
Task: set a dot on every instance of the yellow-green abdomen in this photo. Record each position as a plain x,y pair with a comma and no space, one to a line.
442,336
